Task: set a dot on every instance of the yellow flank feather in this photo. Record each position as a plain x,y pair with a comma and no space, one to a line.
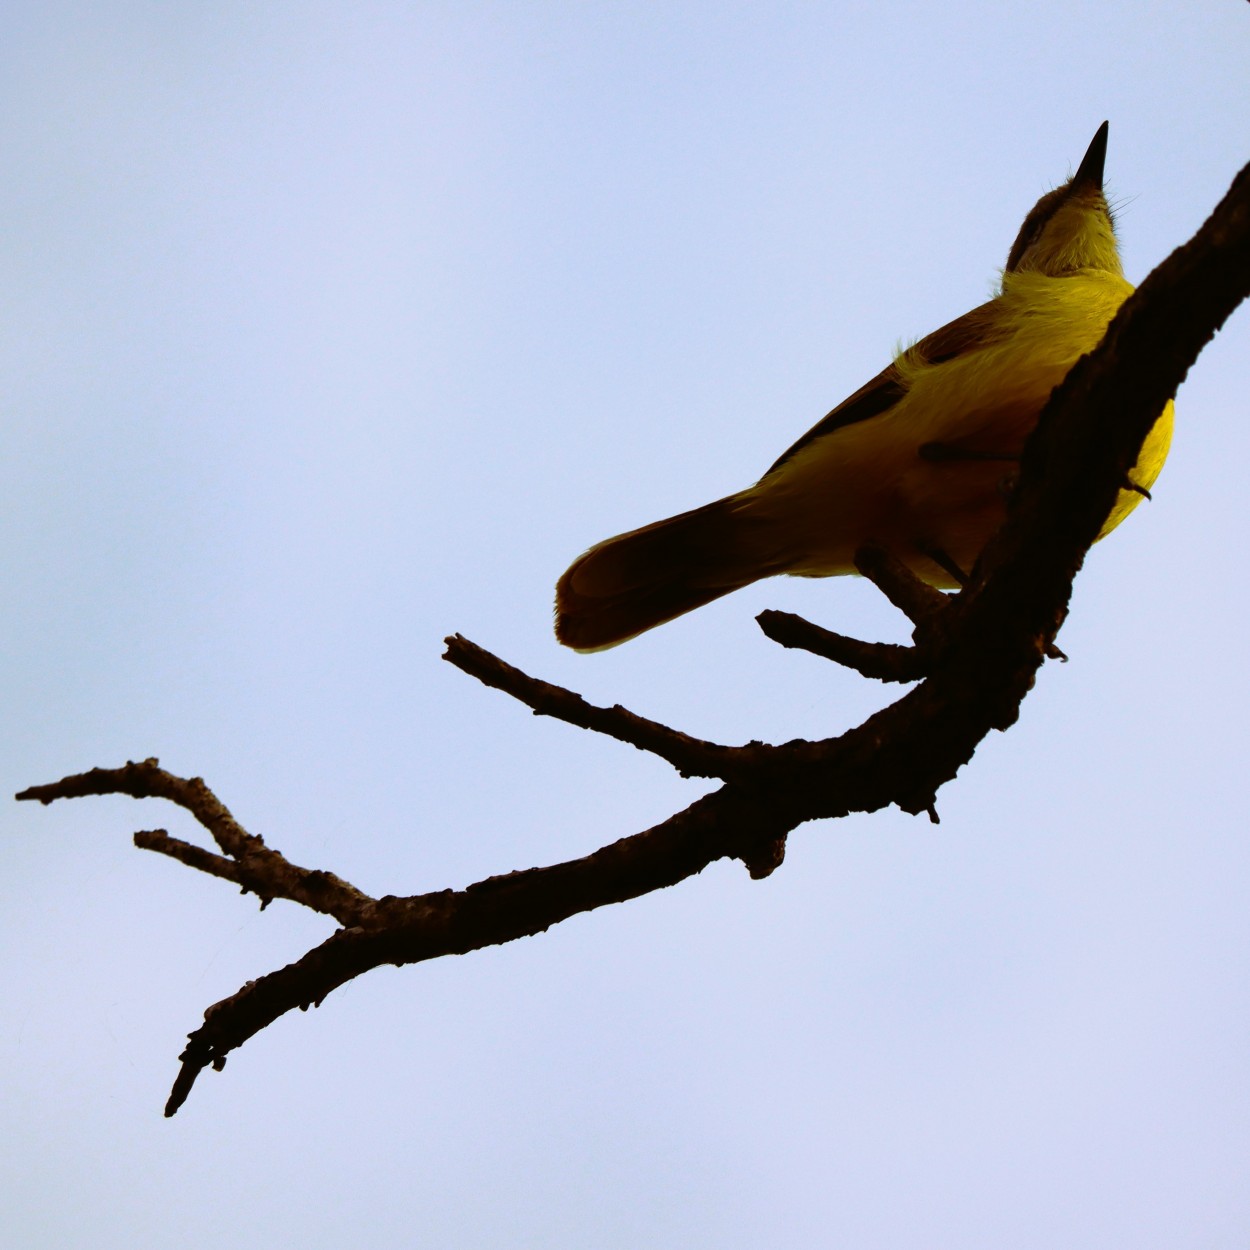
916,461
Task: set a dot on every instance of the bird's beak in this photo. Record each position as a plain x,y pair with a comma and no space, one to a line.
1090,172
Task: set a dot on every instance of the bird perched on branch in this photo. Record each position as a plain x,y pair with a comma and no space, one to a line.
913,462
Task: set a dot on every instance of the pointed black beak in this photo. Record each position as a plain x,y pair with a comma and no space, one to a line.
1090,172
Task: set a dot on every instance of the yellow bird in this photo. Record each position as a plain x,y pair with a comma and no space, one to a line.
913,461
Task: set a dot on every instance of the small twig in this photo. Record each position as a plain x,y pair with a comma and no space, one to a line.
145,780
194,857
692,757
265,872
882,661
923,605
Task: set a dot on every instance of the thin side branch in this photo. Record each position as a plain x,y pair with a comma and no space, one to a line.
921,603
195,857
258,869
692,757
881,661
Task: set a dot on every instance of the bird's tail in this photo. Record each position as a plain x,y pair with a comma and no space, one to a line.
630,583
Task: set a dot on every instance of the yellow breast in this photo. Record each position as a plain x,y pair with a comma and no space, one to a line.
868,481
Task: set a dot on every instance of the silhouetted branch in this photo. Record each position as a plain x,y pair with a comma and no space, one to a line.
692,757
882,661
257,868
924,606
980,650
921,603
193,856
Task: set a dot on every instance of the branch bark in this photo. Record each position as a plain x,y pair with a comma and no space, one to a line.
978,653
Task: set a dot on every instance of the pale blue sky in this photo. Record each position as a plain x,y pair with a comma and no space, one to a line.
331,329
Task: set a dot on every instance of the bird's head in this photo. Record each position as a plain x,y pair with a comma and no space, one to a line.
1070,228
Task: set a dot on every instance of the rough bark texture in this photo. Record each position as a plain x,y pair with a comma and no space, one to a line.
976,652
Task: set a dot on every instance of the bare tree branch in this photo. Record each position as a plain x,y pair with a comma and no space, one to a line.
692,757
257,868
979,652
921,603
882,661
192,856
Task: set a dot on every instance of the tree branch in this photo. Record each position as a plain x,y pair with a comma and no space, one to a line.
882,661
192,856
979,651
692,757
254,866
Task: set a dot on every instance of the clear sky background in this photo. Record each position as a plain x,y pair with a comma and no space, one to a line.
330,329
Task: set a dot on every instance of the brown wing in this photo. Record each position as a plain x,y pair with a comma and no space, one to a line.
967,333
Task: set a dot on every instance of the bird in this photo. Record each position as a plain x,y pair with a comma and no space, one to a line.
916,462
